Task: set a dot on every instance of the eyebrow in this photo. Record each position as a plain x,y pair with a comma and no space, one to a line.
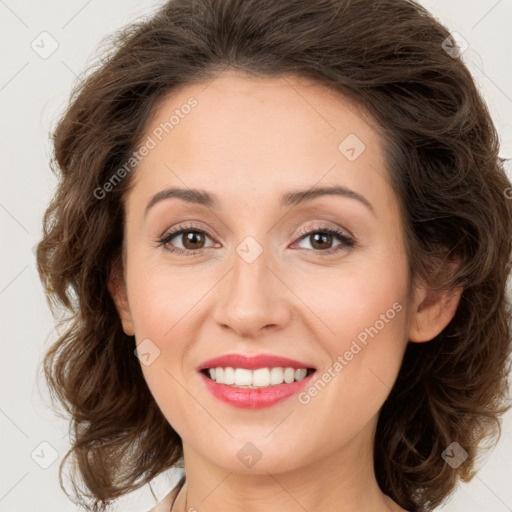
292,198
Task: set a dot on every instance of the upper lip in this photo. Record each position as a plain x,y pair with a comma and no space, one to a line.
252,362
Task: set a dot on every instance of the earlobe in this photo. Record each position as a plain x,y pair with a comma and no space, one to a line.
117,288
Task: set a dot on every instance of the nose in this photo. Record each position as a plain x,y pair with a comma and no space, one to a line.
252,298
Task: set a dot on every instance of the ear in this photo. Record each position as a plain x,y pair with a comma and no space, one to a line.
432,310
117,288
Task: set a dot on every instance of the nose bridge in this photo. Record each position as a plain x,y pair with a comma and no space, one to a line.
252,297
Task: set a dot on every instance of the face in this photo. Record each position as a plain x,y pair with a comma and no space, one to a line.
265,267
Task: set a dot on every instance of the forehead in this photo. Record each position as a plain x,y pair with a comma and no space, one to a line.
256,133
252,109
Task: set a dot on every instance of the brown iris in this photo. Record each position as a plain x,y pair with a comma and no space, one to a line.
324,237
192,238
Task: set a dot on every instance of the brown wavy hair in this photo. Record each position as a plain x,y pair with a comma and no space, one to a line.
442,154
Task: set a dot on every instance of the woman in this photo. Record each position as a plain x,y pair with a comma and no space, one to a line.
283,234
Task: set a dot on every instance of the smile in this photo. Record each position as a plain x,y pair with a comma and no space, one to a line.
254,381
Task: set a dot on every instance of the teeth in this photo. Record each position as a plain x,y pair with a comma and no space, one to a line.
259,378
276,376
229,376
289,375
243,377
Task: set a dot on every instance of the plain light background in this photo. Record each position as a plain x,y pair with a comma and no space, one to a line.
34,88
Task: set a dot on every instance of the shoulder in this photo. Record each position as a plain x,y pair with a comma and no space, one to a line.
166,503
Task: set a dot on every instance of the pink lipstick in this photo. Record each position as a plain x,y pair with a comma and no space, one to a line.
254,382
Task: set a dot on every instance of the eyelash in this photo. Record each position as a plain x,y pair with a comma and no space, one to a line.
345,240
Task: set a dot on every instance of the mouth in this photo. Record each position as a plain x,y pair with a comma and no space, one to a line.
254,382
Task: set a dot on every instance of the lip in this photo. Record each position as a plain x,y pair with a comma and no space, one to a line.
253,362
254,398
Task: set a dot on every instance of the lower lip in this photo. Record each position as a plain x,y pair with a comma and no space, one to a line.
254,398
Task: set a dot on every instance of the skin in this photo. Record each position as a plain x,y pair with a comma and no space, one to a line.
248,141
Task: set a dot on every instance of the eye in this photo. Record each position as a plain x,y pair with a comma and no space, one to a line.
191,239
322,239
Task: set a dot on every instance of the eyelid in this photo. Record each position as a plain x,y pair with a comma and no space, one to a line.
324,226
187,225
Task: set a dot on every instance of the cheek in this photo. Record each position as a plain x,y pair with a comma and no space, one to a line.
160,306
162,309
363,310
161,297
360,301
